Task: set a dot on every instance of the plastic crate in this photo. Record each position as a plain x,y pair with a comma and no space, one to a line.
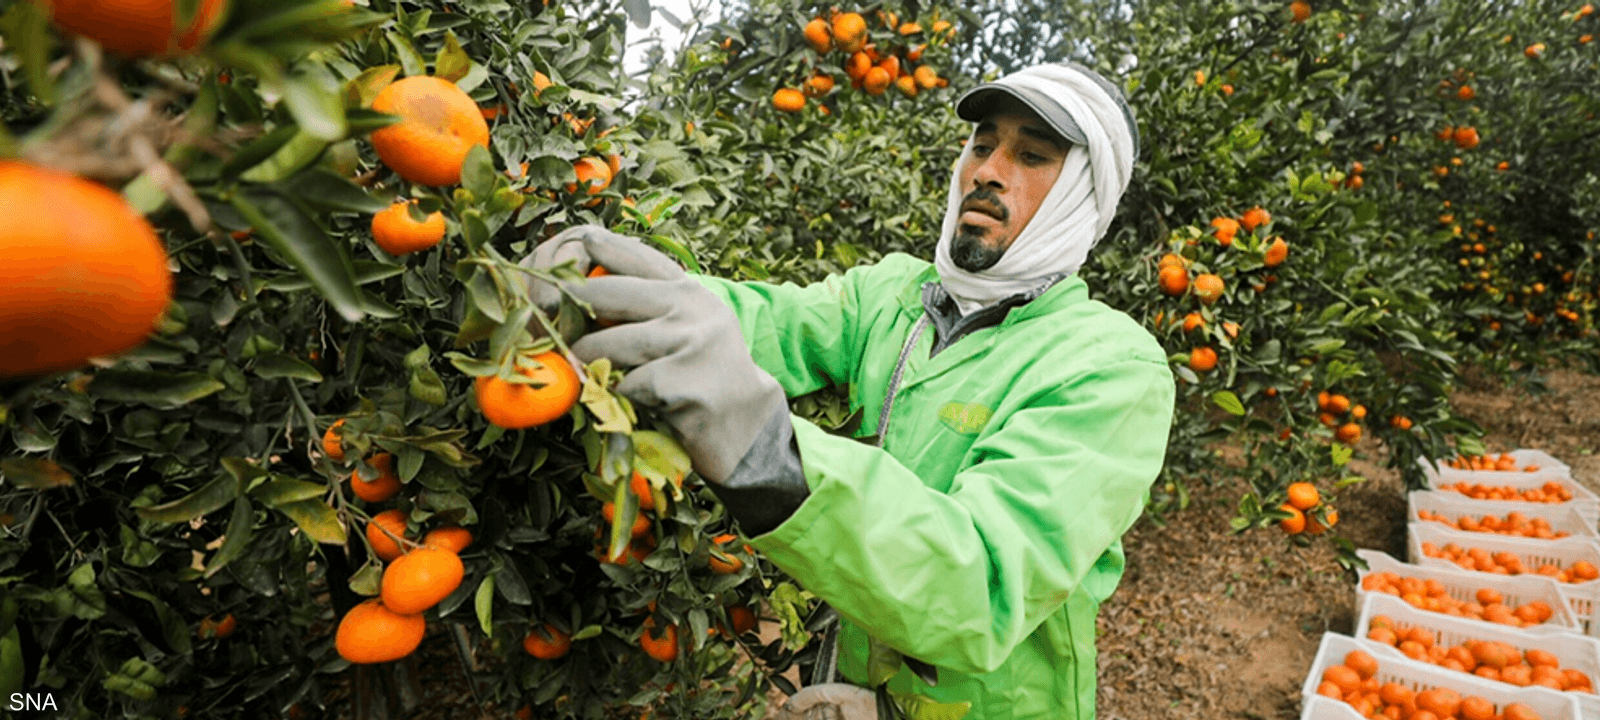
1548,466
1420,676
1574,651
1583,499
1464,584
1562,517
1533,552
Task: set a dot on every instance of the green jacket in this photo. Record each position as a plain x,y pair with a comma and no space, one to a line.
986,532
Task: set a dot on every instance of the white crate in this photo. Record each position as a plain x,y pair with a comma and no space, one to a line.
1562,516
1548,466
1574,651
1421,676
1532,552
1583,499
1464,584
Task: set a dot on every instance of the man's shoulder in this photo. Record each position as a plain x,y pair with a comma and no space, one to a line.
1090,328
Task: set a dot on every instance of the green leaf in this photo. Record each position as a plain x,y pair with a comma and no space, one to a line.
484,604
137,551
205,499
883,662
451,63
281,365
410,60
368,581
240,528
477,172
87,601
1228,401
158,389
313,99
427,386
360,90
280,491
588,631
318,521
295,154
26,27
327,190
1340,453
34,473
638,12
292,232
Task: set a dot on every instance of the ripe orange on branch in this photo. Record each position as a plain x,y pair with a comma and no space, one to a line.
515,406
372,633
1208,288
87,279
451,538
818,35
594,175
547,643
397,233
421,578
850,32
386,485
385,532
138,28
789,100
439,125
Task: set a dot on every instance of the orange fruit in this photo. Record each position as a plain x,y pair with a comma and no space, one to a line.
1301,10
817,34
724,564
1208,287
1295,523
515,406
1466,138
1466,93
1443,702
1192,321
641,524
87,279
547,643
742,619
1315,527
418,580
386,485
1304,495
138,28
927,78
850,32
1202,359
384,533
1396,694
1364,665
1348,433
451,538
217,629
372,633
1174,280
333,442
663,645
1533,52
1345,678
439,124
640,485
397,233
789,100
594,175
858,65
1172,260
907,85
818,85
876,81
1226,229
1276,253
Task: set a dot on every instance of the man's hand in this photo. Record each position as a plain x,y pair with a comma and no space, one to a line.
831,701
684,346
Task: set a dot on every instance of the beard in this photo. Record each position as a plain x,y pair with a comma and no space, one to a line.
968,251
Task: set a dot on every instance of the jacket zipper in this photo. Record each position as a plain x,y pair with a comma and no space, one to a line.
894,380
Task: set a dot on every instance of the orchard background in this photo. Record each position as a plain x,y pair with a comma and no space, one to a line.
178,541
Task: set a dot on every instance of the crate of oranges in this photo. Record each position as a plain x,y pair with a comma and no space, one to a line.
1353,679
1529,488
1454,511
1476,596
1493,466
1571,561
1559,663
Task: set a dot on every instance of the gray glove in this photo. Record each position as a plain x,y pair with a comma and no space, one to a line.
831,701
564,246
684,346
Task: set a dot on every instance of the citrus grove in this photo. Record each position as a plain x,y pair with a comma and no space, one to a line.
276,408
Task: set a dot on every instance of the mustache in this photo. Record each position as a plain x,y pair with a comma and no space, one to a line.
985,201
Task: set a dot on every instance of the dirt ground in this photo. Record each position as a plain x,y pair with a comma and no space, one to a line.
1211,625
1207,624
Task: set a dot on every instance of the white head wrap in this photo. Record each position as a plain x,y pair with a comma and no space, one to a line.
1077,210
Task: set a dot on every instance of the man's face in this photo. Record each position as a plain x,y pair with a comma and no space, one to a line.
1014,162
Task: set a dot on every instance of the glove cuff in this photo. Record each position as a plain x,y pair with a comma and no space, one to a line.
769,483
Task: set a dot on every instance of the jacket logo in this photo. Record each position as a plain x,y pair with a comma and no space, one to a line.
965,418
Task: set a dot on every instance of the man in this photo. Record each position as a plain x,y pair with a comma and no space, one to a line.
1018,423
